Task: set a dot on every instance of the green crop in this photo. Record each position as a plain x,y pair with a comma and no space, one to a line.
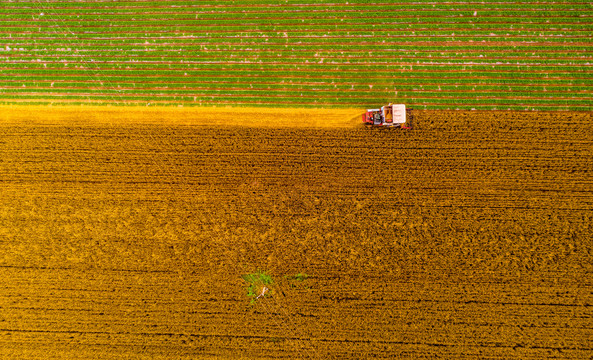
486,55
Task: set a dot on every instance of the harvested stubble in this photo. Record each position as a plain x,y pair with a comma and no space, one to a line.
467,237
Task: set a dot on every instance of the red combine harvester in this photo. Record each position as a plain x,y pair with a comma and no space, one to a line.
387,116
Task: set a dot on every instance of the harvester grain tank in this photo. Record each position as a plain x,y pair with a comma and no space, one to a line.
392,115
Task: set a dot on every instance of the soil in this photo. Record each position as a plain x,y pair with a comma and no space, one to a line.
468,236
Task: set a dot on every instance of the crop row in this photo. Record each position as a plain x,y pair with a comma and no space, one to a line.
385,12
379,48
334,30
500,77
381,15
193,26
197,8
251,103
290,39
270,18
98,55
419,104
284,24
68,83
577,91
300,3
315,64
57,59
303,69
209,101
297,98
287,40
416,103
466,9
321,96
368,81
320,80
304,6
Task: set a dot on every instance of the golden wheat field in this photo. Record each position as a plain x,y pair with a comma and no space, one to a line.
126,237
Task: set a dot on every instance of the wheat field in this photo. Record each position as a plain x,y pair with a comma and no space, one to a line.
466,237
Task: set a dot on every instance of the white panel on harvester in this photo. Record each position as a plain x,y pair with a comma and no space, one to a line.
399,114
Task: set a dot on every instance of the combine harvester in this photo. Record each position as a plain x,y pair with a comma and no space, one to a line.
387,116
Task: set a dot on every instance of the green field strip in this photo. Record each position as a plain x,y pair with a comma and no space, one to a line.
269,18
295,97
444,72
313,68
368,80
316,63
231,3
372,13
347,90
258,68
319,95
288,41
528,52
57,58
105,61
303,4
437,55
308,11
226,6
288,25
332,14
399,79
317,81
235,103
417,106
193,8
452,102
320,92
325,36
189,27
371,49
301,31
286,44
322,87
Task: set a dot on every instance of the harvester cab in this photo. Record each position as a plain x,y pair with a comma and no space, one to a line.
387,116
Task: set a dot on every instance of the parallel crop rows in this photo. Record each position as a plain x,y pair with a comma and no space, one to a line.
481,55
